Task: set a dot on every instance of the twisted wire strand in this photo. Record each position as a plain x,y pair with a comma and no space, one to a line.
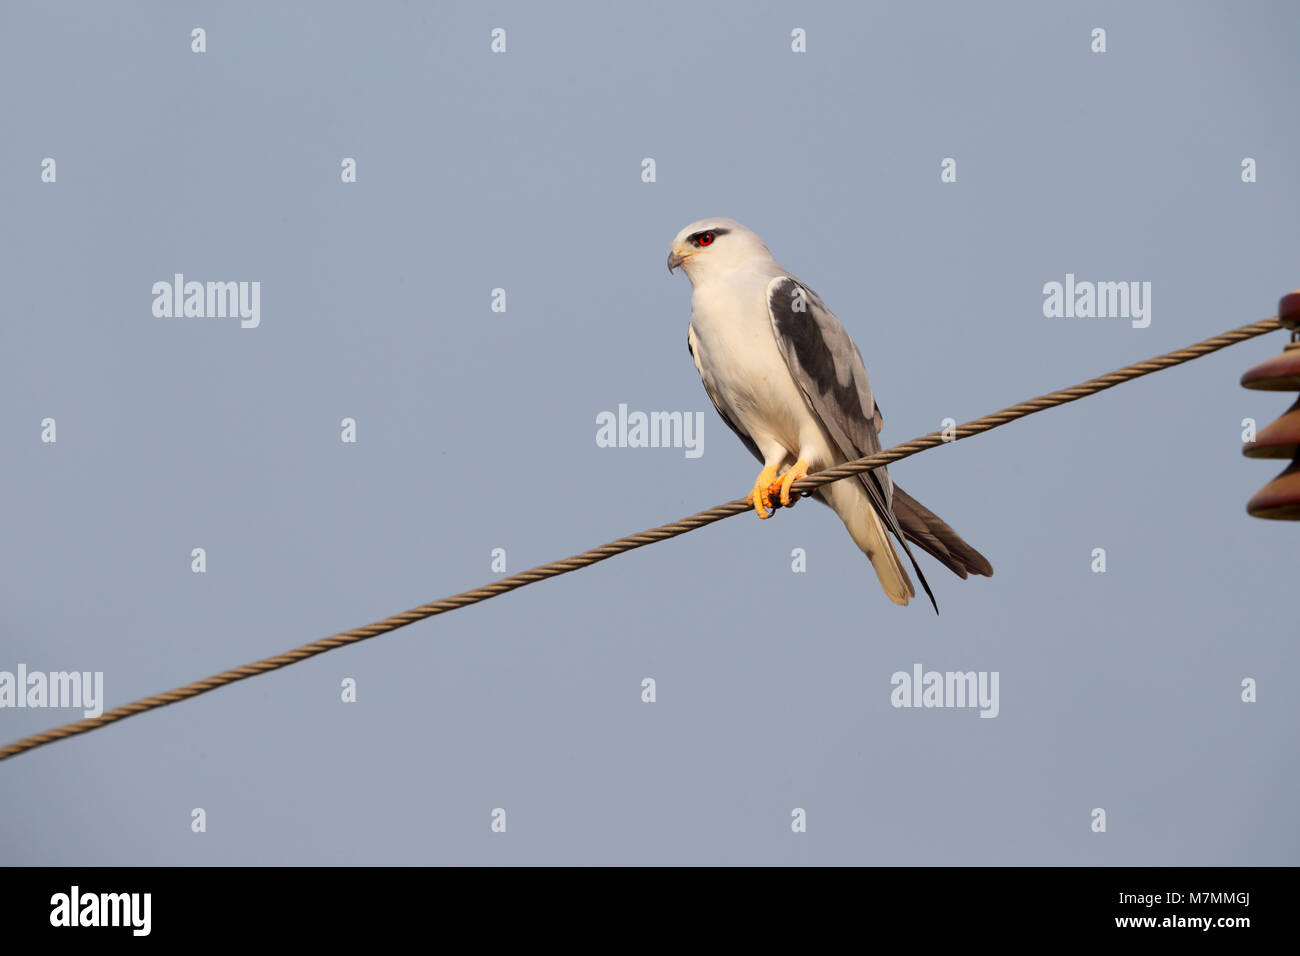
640,540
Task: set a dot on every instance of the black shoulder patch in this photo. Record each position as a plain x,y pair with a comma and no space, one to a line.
791,305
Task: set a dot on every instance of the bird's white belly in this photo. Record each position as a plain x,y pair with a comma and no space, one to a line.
743,368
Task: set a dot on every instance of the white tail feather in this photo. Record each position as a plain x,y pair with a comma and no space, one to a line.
850,501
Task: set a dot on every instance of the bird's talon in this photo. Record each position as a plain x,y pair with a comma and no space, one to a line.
798,470
761,497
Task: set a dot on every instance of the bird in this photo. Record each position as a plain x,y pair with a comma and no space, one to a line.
788,380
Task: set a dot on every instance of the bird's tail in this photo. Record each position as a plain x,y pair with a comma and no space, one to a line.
928,531
868,532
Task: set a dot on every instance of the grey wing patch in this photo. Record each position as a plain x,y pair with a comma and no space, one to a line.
743,436
828,368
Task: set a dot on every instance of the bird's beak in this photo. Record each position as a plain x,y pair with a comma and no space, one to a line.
675,259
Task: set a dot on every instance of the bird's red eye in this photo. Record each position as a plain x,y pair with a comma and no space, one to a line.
705,239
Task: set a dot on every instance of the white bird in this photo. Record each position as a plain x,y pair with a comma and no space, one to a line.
785,376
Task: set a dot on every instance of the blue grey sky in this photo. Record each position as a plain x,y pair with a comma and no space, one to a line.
476,431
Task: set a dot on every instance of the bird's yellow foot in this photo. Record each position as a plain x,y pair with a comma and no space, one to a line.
761,496
796,471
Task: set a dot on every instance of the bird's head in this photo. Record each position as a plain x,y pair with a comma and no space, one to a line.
713,246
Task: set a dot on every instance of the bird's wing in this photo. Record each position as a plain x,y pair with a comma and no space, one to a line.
743,436
827,366
925,528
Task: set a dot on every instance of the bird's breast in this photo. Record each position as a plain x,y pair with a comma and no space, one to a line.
741,364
